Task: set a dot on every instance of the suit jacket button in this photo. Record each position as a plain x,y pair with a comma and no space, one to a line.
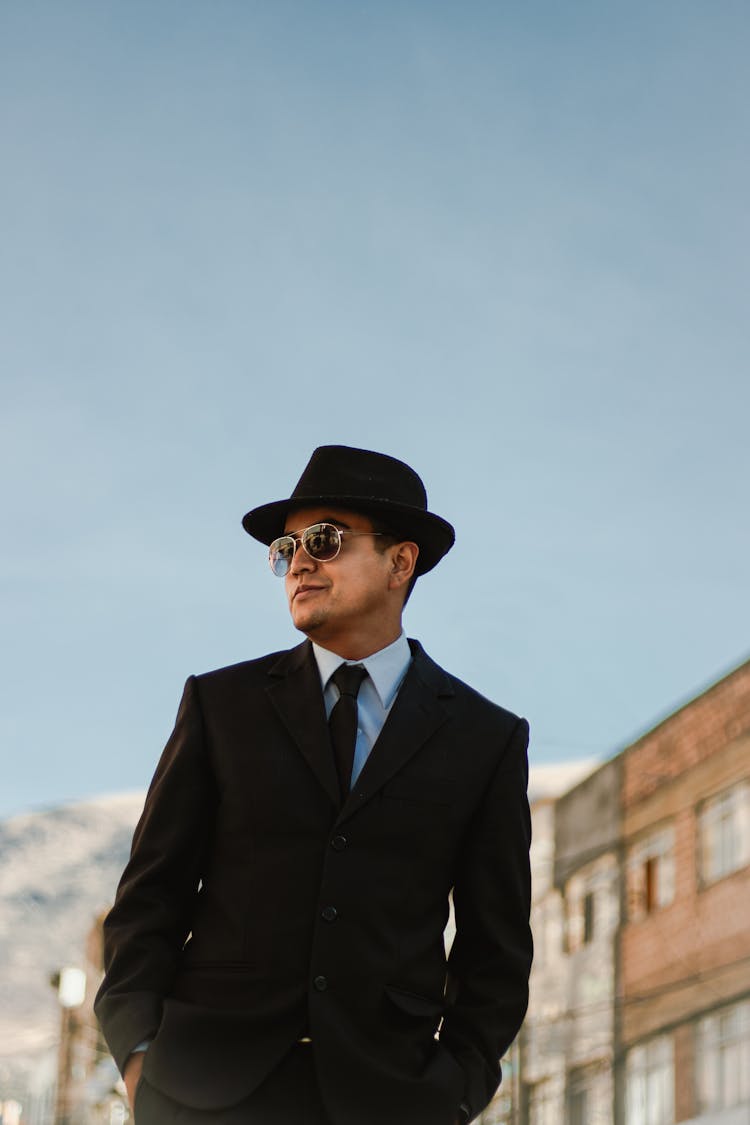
338,843
321,984
329,913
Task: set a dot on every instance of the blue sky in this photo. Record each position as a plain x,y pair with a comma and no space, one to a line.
507,243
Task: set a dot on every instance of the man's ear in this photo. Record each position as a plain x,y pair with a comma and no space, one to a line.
403,561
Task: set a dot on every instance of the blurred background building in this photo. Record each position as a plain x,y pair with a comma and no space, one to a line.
640,990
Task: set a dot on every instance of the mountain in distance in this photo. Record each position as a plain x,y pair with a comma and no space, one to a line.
59,869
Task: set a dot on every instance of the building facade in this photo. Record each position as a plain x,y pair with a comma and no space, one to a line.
568,1040
640,990
684,1026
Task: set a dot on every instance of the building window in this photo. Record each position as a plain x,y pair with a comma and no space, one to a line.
725,833
578,1106
650,874
543,1109
581,1097
723,1058
580,913
650,1083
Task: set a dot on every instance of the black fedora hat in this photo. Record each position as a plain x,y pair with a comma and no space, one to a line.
372,484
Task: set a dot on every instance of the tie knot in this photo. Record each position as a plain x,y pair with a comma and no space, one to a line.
348,678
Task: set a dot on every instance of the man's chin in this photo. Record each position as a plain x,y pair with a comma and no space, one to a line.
307,622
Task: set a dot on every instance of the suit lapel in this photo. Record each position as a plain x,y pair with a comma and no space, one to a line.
296,695
417,713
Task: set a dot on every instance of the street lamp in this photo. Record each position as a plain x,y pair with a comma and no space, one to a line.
70,983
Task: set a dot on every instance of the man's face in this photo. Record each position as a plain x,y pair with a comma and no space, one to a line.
348,603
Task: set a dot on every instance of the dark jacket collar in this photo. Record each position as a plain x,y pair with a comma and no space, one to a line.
417,713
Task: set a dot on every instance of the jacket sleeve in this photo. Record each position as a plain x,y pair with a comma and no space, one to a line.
490,961
149,923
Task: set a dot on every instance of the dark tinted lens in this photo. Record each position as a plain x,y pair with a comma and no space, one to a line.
321,541
280,555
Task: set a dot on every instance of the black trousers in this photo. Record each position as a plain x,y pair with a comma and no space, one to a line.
289,1096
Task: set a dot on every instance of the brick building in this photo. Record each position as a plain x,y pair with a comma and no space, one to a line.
640,989
684,1013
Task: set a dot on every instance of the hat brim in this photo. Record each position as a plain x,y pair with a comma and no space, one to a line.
433,535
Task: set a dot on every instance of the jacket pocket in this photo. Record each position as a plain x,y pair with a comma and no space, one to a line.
208,1058
422,1007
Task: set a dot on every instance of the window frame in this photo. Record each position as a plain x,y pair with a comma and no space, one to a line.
650,873
728,813
722,1039
650,1064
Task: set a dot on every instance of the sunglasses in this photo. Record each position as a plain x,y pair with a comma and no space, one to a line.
321,541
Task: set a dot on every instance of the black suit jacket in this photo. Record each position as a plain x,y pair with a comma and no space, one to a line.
253,910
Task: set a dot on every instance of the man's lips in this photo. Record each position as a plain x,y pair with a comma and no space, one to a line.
304,591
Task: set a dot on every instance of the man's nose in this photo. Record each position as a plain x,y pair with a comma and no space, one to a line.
301,561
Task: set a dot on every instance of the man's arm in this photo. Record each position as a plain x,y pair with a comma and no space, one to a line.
150,921
489,964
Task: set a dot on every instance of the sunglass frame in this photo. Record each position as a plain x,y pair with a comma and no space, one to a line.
305,535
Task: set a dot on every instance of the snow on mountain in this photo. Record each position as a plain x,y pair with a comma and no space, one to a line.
59,868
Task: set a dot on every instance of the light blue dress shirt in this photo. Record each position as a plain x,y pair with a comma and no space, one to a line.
385,672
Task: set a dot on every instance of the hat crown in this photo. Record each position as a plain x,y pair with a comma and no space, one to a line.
360,475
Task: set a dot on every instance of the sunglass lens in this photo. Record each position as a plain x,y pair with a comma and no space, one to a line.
322,541
280,555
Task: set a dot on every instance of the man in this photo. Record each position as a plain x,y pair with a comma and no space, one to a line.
275,954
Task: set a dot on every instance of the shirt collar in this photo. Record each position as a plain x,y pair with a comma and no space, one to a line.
385,668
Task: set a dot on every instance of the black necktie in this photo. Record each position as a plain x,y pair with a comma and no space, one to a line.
342,722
